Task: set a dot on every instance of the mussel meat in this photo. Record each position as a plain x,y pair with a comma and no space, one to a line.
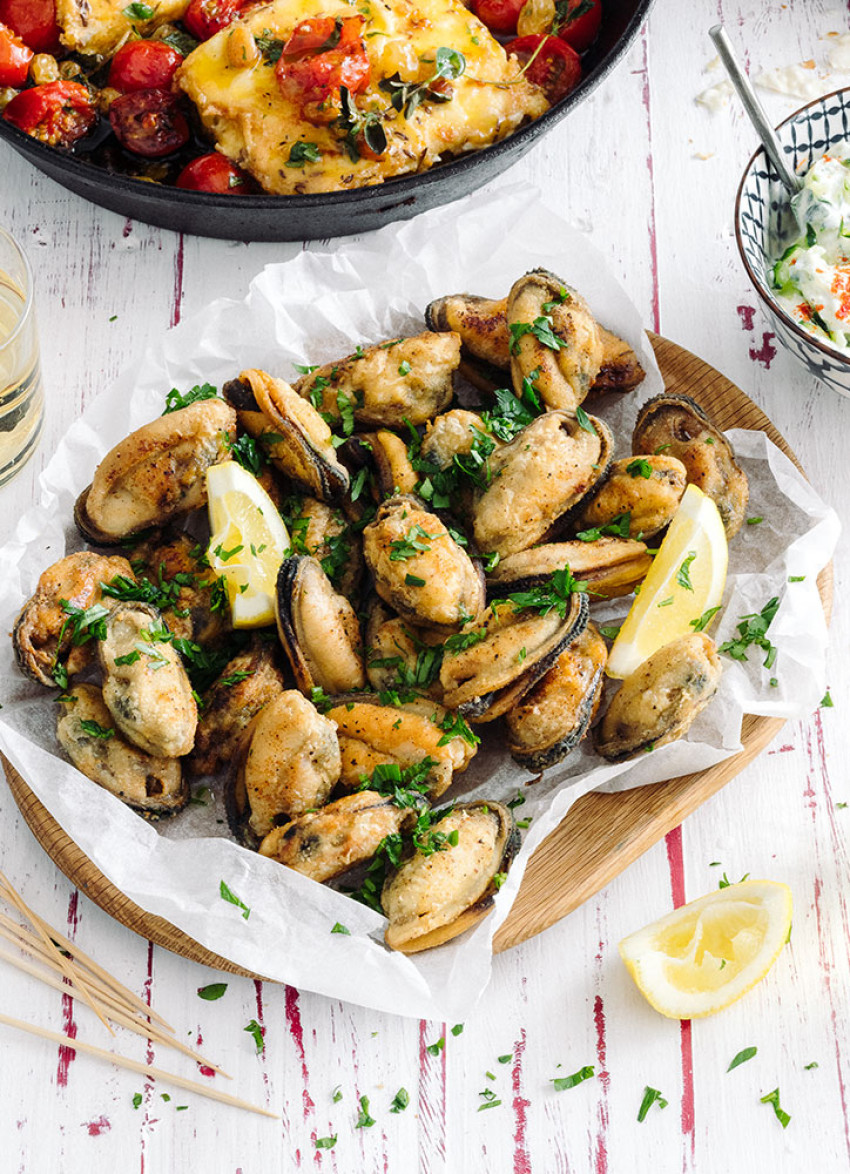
318,629
643,495
610,566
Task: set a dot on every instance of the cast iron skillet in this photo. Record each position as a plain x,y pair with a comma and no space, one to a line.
326,214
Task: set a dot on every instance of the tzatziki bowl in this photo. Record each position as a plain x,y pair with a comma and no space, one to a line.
796,251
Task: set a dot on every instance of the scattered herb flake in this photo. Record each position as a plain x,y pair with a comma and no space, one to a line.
457,1029
639,467
174,401
414,581
814,1064
404,368
94,730
772,1098
700,624
257,1034
742,1057
826,701
651,1096
364,1121
137,1100
489,1105
302,152
326,1143
754,521
752,629
340,928
724,882
506,1059
212,992
585,421
400,1101
228,895
683,575
435,1048
563,1082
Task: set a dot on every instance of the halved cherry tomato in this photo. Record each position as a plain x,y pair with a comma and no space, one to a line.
144,65
205,18
322,55
580,25
556,68
15,58
34,21
500,16
215,173
149,123
57,113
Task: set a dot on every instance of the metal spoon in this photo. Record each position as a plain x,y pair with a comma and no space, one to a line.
754,109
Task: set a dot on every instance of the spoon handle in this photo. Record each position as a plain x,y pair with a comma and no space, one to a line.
754,108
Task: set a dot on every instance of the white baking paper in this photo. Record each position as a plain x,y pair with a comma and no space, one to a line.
316,308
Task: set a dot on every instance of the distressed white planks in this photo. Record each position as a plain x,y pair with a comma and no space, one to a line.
625,167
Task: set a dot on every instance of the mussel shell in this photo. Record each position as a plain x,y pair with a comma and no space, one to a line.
153,786
482,689
554,716
682,428
156,473
538,479
660,700
318,628
610,566
431,899
326,843
288,762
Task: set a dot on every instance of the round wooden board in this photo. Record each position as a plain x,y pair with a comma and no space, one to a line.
602,833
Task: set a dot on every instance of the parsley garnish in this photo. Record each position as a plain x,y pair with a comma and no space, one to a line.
137,1099
340,928
301,153
212,992
513,414
228,895
97,731
585,421
650,1097
542,330
826,701
415,541
551,595
610,632
564,1082
138,12
754,521
326,1143
458,641
364,1121
456,727
414,581
618,527
457,1029
437,1047
400,1101
257,1034
683,575
752,629
174,401
639,467
404,368
814,1064
248,454
742,1057
772,1098
699,625
724,881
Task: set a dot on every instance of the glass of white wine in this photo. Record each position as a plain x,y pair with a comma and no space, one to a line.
21,392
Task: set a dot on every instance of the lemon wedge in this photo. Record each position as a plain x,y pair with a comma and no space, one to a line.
248,542
706,954
685,581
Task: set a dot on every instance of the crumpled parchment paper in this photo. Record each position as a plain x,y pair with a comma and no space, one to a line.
313,309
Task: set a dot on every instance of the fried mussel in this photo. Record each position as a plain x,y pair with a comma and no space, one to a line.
437,591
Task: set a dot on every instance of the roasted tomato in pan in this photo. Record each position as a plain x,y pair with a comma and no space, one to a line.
556,67
34,21
205,18
500,16
580,23
215,173
57,113
15,58
144,65
149,123
321,55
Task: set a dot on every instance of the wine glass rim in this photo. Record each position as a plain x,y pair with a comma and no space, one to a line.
26,309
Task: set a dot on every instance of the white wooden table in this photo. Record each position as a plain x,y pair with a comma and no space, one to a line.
652,178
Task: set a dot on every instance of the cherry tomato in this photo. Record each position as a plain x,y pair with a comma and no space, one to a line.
15,59
34,21
205,18
500,16
57,113
314,76
143,65
580,24
149,123
556,68
215,173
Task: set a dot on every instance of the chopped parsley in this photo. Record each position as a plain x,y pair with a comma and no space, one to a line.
302,152
97,731
552,595
683,575
400,1101
326,1143
513,413
413,581
174,401
457,1029
584,421
364,1121
455,726
437,1047
415,541
752,629
541,328
247,453
772,1098
754,521
137,1100
459,641
340,928
257,1034
639,467
651,1096
826,701
700,624
212,992
618,527
724,881
138,12
228,895
564,1082
404,368
742,1057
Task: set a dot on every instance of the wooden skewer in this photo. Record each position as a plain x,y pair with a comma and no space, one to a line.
116,1012
136,1066
83,958
15,899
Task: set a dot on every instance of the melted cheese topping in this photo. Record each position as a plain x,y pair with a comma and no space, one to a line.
98,27
255,125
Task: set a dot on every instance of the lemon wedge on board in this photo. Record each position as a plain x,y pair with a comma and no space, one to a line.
685,581
708,953
248,542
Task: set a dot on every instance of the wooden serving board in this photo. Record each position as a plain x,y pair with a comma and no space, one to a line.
602,833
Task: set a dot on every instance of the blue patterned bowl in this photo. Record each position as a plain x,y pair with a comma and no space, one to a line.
763,215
